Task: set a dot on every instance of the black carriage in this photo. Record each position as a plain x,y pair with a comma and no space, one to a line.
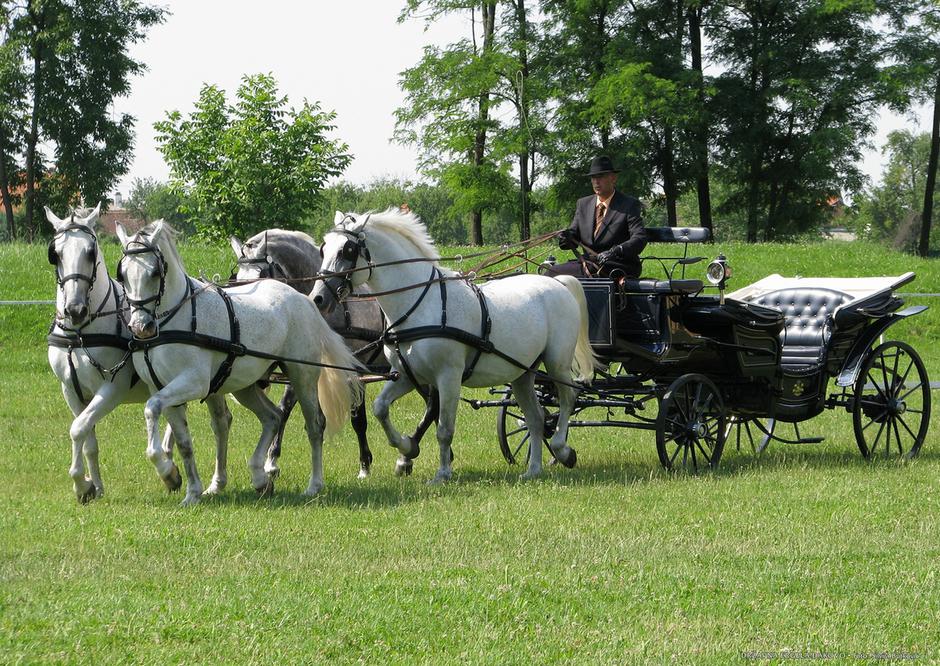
699,369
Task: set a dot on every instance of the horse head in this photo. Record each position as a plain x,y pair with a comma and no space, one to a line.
277,254
149,270
73,252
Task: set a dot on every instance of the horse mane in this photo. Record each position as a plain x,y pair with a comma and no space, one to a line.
407,225
168,247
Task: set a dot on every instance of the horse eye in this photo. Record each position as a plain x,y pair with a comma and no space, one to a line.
154,272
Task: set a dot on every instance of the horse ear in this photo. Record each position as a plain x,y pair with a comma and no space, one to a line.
236,246
92,219
121,234
339,217
53,219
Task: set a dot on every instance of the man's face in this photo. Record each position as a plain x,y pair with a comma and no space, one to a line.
603,184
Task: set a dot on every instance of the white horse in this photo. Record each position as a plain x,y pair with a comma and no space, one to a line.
88,348
532,319
210,340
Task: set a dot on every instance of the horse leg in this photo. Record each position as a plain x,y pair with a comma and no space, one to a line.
83,487
288,400
523,388
432,411
407,447
176,417
269,416
84,441
558,367
304,380
357,417
181,390
448,390
220,419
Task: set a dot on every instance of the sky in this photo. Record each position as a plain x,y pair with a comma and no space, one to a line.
345,55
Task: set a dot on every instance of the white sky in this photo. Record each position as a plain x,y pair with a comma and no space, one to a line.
345,55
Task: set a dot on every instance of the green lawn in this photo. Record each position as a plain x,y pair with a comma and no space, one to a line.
808,549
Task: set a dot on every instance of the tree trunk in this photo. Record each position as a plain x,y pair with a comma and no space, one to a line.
5,195
703,185
670,187
925,219
524,185
33,138
483,111
753,193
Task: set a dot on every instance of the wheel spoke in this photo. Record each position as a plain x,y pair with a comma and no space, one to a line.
672,458
897,436
516,431
705,453
874,444
917,387
894,371
907,427
903,380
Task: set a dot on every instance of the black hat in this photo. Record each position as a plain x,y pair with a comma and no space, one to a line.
600,165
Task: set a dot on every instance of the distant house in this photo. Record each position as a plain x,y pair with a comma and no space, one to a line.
117,213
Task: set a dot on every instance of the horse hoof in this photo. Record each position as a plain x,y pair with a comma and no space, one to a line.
190,500
363,472
173,480
313,490
571,459
267,490
529,475
212,490
404,467
415,449
87,496
440,479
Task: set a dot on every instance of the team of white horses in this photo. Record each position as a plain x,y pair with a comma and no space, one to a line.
158,336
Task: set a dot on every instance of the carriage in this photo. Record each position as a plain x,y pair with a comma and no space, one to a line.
699,370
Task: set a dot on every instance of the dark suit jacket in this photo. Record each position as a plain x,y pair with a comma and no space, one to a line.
621,231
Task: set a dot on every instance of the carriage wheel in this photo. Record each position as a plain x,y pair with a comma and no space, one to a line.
690,427
513,436
892,402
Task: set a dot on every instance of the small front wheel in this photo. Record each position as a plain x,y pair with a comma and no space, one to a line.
690,427
891,411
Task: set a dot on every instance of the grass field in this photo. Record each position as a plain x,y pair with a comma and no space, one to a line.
806,552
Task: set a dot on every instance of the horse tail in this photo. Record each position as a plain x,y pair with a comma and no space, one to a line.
338,388
584,362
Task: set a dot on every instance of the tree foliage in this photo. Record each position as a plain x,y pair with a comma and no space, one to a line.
252,164
62,63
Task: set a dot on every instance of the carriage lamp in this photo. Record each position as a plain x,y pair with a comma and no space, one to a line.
718,272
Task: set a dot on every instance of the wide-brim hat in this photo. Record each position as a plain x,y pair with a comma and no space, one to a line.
600,165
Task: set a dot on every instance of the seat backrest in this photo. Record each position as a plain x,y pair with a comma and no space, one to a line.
805,313
677,234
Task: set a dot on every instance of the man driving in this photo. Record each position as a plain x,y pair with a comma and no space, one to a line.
609,224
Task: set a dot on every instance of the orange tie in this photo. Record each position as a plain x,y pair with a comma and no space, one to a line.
599,218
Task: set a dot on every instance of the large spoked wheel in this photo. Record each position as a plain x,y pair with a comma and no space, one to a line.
892,402
690,427
513,436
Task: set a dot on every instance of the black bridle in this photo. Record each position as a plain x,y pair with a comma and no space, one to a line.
354,248
268,268
146,247
54,257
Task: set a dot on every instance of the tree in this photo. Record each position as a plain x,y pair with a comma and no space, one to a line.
802,83
67,60
151,200
447,111
250,165
890,210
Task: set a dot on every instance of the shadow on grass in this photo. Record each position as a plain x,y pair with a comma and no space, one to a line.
467,483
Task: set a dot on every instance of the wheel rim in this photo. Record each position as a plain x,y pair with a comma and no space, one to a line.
891,412
513,435
690,428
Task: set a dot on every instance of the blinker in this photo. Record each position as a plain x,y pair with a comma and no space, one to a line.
350,251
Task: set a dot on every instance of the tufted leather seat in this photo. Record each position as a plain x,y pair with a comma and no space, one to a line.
807,314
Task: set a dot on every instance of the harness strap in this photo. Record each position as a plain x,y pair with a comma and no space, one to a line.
169,315
225,369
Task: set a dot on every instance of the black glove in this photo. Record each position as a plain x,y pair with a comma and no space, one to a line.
566,240
606,256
